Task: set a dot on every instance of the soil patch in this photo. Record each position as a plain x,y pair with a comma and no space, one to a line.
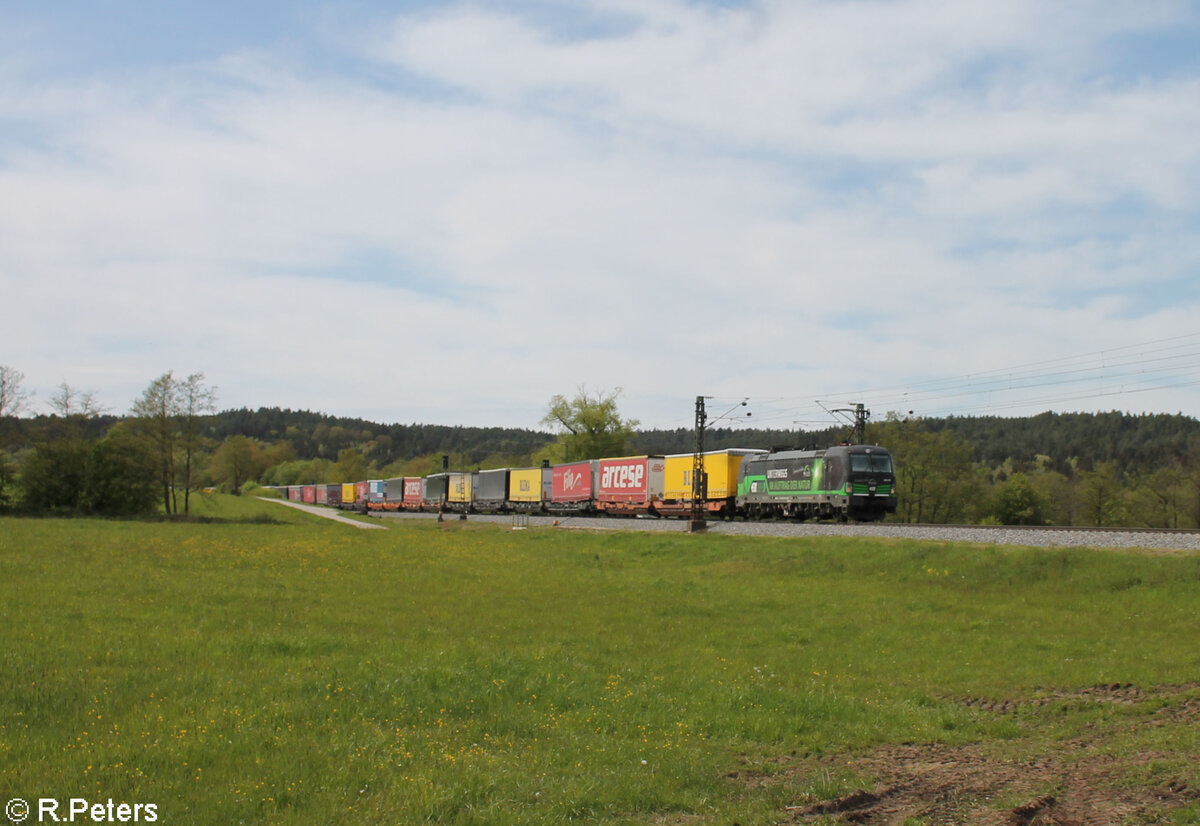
963,785
1066,784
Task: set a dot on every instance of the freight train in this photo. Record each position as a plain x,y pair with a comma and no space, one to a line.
845,483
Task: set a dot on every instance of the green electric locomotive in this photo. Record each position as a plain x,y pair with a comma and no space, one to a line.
846,482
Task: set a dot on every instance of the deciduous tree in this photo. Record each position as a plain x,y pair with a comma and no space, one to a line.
590,426
8,472
170,414
113,476
1018,502
935,476
1101,496
1190,480
67,401
156,410
54,476
238,460
193,401
350,465
1060,494
121,475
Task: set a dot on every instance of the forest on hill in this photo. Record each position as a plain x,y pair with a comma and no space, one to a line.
1136,442
1065,441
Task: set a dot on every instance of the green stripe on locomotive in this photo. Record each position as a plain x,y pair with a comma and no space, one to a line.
793,477
759,485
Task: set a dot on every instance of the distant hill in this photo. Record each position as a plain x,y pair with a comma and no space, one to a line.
1135,442
319,436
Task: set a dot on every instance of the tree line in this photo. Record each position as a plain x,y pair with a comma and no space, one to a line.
80,459
1110,480
1054,468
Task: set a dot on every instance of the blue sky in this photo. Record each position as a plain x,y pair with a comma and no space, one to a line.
449,212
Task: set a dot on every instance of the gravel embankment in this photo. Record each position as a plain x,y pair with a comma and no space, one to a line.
1051,538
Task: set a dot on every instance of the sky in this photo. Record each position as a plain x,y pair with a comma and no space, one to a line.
447,213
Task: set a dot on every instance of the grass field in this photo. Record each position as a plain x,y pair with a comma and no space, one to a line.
286,669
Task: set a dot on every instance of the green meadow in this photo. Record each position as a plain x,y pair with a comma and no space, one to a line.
267,666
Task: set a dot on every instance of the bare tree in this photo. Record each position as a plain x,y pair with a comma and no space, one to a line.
67,401
14,398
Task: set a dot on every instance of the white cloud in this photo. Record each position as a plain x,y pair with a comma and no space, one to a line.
504,206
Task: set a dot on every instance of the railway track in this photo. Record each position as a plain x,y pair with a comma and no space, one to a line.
1139,538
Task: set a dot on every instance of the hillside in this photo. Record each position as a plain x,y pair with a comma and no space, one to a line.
1077,441
1135,442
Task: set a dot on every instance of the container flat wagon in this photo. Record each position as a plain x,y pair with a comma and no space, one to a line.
490,490
721,467
412,493
393,494
435,491
573,487
529,489
630,485
461,495
374,492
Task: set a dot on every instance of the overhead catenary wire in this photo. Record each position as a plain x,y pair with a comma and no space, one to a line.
1126,371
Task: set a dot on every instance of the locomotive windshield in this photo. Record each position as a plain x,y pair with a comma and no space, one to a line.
870,463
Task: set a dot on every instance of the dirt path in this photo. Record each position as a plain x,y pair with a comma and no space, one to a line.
328,513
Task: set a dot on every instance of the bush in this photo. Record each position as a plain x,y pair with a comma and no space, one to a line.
7,474
54,477
115,476
122,476
1019,503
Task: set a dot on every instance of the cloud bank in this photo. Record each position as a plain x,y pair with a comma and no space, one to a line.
452,213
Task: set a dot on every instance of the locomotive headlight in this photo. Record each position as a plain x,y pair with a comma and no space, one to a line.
849,488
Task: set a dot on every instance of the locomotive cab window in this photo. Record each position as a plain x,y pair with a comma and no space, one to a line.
870,463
